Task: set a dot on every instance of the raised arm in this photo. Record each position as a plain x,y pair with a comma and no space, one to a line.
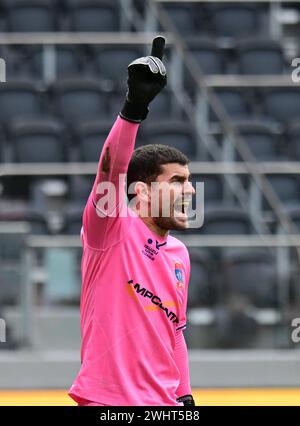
146,78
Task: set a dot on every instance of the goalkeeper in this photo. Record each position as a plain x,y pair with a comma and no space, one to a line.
134,274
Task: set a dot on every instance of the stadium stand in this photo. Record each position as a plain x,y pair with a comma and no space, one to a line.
63,93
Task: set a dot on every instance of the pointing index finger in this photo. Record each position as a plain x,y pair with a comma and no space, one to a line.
158,45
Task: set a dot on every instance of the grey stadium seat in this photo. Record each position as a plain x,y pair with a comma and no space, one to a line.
201,290
207,54
234,20
282,104
182,16
177,134
213,188
234,101
251,274
287,188
19,99
80,99
90,139
38,141
257,56
94,15
112,61
226,221
294,140
31,15
67,61
261,138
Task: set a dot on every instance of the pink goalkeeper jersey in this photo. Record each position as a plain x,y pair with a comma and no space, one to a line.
134,296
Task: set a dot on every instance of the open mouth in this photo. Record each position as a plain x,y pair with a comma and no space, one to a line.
181,207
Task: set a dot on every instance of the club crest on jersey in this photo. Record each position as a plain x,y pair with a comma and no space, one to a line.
179,274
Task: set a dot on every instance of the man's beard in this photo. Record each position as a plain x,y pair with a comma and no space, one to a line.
177,220
170,223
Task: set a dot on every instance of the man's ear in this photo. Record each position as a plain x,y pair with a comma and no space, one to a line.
141,189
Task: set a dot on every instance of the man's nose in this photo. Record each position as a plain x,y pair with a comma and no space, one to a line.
189,189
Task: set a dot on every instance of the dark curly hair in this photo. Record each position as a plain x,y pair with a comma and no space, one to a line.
146,161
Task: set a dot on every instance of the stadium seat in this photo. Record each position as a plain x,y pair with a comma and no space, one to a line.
207,54
293,133
178,134
73,220
182,16
90,139
111,62
261,138
234,20
234,327
287,188
234,101
163,107
19,100
38,223
31,15
68,62
94,15
201,292
80,99
3,20
282,104
250,274
80,188
226,221
257,56
294,213
38,141
213,188
11,249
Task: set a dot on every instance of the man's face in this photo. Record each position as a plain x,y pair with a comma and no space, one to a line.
171,195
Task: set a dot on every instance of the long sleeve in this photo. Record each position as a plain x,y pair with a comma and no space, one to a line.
182,361
103,207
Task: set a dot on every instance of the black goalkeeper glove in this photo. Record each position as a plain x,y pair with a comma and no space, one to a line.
187,400
147,77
